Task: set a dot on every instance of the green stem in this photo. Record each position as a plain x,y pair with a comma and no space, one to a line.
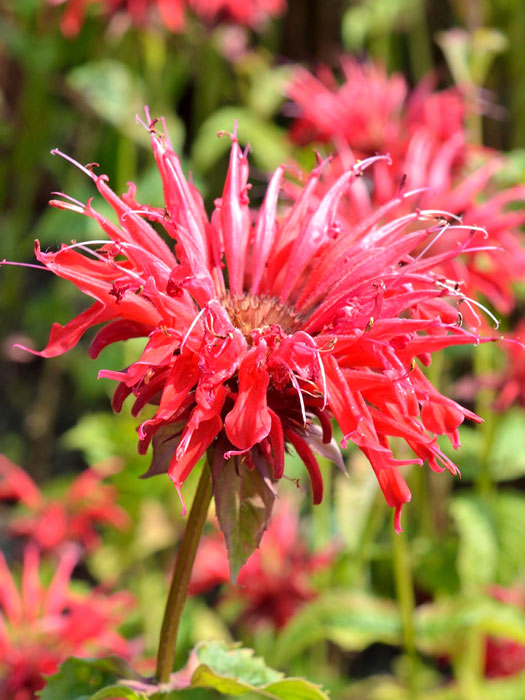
483,365
419,42
405,596
181,575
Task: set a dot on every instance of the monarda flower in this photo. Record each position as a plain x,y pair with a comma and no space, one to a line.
510,383
505,657
261,328
87,504
41,626
172,13
424,134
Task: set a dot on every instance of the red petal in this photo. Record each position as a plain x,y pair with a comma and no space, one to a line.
306,454
249,421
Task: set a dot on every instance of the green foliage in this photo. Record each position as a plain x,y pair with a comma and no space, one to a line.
353,621
79,679
229,670
478,549
491,535
269,145
117,95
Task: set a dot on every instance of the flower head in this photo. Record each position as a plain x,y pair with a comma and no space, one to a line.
41,626
260,329
510,383
505,657
172,13
74,518
424,134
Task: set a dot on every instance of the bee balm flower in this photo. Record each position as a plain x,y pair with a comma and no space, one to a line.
172,13
262,328
424,134
41,626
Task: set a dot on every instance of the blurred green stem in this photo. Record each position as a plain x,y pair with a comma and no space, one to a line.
469,667
126,162
322,513
469,664
405,596
483,367
419,42
181,575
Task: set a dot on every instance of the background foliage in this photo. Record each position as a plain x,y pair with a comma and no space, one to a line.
393,617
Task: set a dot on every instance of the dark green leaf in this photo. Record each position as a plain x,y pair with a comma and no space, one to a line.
79,679
244,500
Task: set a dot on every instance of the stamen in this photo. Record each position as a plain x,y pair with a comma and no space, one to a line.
469,301
299,393
89,173
71,199
192,326
20,264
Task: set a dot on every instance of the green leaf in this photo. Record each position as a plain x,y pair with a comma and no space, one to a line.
78,679
478,547
244,501
235,671
268,142
113,692
442,626
507,456
117,95
353,621
492,533
228,669
509,517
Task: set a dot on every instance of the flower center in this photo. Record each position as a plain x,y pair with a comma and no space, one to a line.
249,312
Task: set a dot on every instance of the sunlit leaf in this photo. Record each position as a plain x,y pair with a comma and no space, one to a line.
353,621
478,547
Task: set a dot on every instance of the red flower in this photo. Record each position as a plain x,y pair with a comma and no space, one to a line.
258,333
363,112
249,13
40,627
276,580
511,383
424,136
74,518
504,657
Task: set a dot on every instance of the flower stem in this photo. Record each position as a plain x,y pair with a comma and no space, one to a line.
181,575
405,596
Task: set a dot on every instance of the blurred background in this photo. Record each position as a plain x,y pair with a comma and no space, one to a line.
436,613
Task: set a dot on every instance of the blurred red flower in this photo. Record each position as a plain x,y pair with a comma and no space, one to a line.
424,134
276,580
510,383
257,334
172,13
41,626
504,657
86,504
